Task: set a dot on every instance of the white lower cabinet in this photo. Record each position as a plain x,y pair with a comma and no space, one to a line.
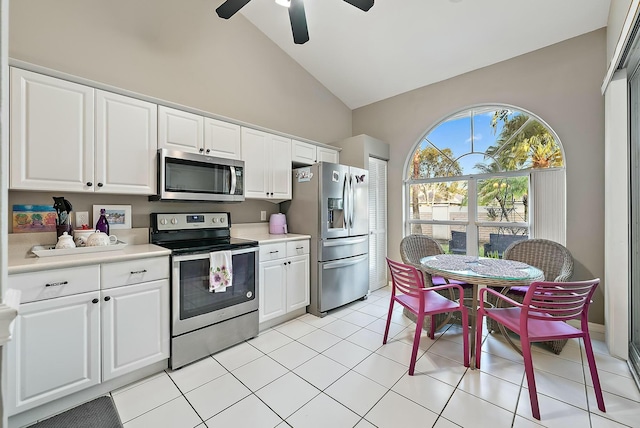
283,278
78,332
55,350
135,327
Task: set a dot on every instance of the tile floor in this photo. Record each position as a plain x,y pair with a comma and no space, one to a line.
334,372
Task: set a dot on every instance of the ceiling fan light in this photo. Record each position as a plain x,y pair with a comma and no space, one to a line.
285,3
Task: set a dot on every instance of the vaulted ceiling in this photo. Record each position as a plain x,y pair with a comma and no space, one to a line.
401,45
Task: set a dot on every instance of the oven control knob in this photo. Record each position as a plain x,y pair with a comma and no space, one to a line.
222,220
215,220
163,221
174,221
249,294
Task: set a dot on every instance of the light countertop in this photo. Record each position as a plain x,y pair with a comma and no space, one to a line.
21,260
260,232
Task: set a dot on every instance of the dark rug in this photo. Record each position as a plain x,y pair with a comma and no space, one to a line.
99,413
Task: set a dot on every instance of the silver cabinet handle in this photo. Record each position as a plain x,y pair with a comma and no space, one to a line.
56,284
138,271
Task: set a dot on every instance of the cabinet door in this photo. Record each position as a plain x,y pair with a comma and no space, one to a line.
272,290
256,155
297,282
280,167
52,133
126,144
180,130
54,351
303,153
327,155
221,139
135,327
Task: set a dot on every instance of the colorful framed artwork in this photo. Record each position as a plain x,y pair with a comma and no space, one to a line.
34,218
118,216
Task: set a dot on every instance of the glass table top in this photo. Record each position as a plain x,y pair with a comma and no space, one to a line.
482,267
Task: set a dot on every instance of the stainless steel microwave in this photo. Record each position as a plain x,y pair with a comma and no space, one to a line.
192,177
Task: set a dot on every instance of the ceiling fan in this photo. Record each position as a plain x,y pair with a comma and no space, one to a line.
296,14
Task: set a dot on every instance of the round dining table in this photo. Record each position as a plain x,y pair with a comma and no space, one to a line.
481,271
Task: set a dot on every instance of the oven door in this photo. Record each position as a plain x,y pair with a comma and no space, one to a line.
194,306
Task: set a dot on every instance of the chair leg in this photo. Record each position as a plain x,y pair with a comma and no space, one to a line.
416,343
465,334
594,371
386,330
531,381
478,350
432,328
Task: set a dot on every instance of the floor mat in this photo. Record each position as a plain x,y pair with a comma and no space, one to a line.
99,413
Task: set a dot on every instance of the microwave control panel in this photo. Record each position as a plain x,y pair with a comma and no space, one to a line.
182,221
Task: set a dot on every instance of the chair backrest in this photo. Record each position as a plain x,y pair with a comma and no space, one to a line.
561,301
552,258
405,279
415,247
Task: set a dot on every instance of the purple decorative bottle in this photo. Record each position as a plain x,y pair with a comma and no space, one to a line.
103,224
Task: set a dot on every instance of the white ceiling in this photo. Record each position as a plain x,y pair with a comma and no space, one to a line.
401,45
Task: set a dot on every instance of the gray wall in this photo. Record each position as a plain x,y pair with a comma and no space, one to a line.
561,84
182,52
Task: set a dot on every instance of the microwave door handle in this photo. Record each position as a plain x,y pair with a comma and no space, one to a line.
232,191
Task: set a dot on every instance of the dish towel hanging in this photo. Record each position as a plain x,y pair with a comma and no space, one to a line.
220,271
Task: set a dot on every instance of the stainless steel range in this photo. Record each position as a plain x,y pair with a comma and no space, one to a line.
204,322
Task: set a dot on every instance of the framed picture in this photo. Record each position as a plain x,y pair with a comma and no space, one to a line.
118,216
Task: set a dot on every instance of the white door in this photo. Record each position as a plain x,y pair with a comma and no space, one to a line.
297,282
52,133
377,223
255,153
126,144
280,167
221,139
327,155
135,327
180,130
272,290
54,351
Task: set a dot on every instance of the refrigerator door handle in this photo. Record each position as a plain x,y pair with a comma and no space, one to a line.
352,196
345,202
345,241
344,263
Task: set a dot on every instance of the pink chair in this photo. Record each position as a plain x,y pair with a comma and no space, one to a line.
409,282
541,317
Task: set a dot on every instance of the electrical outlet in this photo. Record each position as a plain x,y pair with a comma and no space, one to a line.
82,217
263,216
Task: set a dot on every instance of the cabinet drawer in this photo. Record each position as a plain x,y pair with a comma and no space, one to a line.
297,248
273,251
134,272
49,284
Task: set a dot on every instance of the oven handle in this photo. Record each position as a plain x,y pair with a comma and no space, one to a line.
233,180
200,256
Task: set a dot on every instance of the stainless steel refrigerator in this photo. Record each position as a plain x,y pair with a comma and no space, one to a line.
330,202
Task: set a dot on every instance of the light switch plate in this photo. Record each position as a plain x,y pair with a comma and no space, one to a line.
82,217
263,215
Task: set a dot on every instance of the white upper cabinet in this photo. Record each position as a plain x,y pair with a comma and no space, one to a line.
307,154
328,155
126,145
180,130
70,137
267,162
52,133
192,133
221,139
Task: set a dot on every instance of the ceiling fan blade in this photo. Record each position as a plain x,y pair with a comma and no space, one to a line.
361,4
229,8
298,22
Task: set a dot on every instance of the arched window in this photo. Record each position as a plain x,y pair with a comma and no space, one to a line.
484,178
